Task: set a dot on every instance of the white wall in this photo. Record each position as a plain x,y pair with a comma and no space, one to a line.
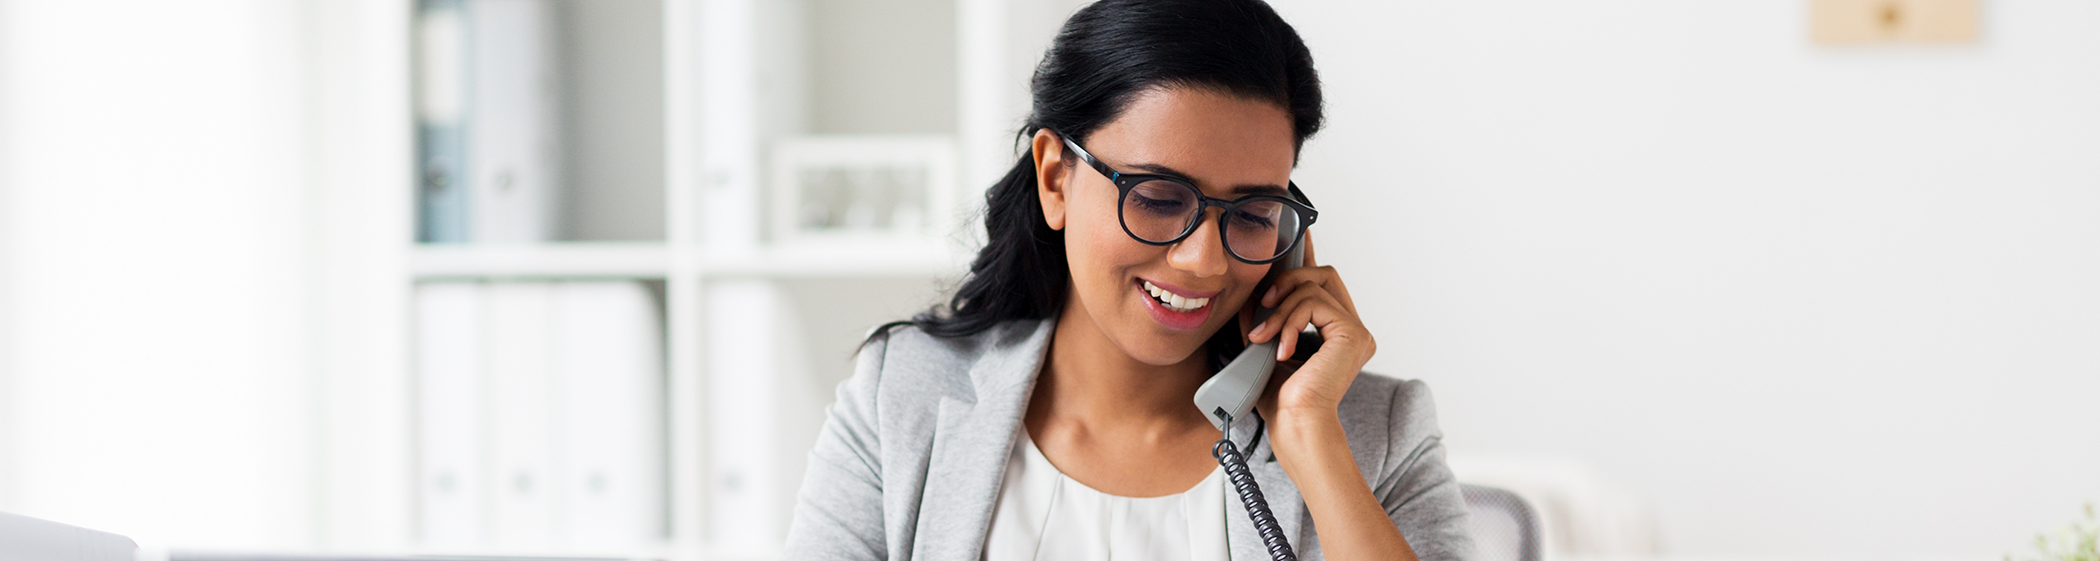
363,177
8,430
162,351
1805,300
882,67
189,281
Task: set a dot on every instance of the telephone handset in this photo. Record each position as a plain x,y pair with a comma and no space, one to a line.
1231,393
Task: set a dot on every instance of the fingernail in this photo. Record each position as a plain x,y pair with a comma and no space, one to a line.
1279,353
1265,296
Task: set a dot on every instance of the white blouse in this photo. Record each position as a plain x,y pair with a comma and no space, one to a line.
1043,515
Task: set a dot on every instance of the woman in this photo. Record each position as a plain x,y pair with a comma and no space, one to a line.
1047,414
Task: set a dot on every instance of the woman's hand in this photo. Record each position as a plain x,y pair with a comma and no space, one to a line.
1302,408
1312,295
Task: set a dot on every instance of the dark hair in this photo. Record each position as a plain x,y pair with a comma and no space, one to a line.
1106,55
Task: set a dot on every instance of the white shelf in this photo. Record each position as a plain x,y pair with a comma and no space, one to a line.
643,260
651,260
844,259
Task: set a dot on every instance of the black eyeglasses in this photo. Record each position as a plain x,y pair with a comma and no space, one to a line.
1164,209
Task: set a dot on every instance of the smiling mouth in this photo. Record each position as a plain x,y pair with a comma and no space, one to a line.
1175,302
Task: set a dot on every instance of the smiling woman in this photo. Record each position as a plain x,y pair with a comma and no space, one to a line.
1226,140
1046,412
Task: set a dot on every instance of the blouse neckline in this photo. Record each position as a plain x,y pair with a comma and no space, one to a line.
1044,514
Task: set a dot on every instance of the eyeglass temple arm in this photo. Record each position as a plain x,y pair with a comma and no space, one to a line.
1300,195
1087,157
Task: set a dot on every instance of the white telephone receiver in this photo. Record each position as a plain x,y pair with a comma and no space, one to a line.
1231,393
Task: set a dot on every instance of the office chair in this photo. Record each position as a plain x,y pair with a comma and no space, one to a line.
1505,527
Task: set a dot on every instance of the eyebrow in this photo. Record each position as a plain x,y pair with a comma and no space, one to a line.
1238,190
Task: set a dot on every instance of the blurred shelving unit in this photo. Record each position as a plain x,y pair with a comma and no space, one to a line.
620,260
682,135
653,261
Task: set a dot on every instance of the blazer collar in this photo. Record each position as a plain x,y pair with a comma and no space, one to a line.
974,438
971,443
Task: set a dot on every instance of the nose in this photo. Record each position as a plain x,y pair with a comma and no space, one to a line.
1203,252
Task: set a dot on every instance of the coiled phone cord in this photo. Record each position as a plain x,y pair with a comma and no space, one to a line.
1242,478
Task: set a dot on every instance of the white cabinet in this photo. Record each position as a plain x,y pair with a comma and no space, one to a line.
671,120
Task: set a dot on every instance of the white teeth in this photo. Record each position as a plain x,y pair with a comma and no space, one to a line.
1174,301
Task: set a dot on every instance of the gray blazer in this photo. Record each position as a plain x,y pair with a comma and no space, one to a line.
910,461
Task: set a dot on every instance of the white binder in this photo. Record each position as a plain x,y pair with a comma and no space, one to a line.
449,482
749,512
608,380
519,322
512,124
541,416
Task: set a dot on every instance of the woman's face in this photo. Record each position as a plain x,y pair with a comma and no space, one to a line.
1230,147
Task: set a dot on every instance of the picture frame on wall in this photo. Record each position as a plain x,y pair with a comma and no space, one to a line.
862,188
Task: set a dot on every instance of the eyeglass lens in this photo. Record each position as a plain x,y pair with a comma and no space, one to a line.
1158,211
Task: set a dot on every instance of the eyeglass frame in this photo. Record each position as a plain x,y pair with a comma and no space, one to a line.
1127,181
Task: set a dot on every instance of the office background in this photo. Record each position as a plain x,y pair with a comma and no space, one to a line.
1765,297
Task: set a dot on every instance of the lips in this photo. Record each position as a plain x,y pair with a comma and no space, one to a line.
1175,310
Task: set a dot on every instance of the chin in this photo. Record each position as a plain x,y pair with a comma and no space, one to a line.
1158,346
1161,355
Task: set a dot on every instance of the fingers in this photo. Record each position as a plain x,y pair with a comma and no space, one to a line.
1301,308
1324,277
1308,308
1286,296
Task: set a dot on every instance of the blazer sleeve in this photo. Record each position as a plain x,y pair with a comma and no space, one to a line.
1417,488
838,514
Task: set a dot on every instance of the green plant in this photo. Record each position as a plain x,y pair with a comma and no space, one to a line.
2079,541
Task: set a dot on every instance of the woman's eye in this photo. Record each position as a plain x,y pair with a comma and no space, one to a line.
1162,206
1160,198
1246,219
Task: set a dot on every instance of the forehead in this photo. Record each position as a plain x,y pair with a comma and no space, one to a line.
1221,141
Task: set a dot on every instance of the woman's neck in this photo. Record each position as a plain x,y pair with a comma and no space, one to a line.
1088,378
1113,423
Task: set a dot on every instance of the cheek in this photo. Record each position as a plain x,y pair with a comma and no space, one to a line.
1095,243
1245,276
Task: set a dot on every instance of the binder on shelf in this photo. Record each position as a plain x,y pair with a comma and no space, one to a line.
513,149
748,505
541,416
487,106
608,379
448,351
440,106
519,323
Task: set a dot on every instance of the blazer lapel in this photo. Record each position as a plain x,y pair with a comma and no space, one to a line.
1276,488
974,438
970,446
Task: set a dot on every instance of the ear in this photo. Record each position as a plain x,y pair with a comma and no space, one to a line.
1050,176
